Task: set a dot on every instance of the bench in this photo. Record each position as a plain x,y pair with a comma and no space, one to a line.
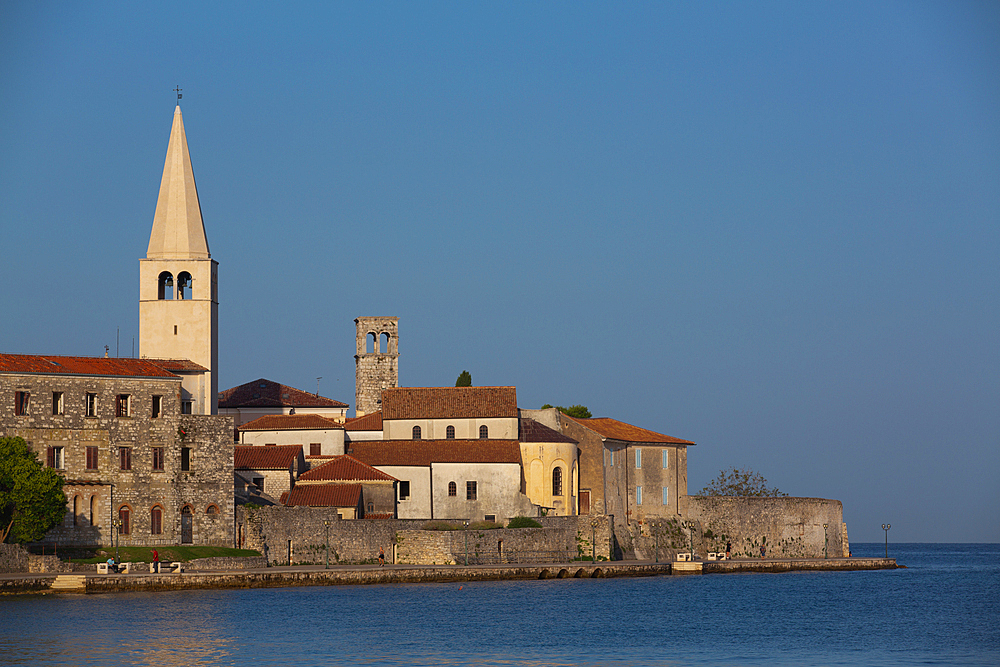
713,555
683,558
175,568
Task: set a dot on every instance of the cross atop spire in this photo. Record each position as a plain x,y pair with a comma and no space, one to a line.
178,90
178,230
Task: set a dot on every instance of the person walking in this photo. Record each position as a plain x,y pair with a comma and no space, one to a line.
156,562
381,557
763,552
729,548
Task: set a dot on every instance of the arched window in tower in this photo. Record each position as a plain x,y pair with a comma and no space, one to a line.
484,432
450,432
156,520
383,343
93,510
371,344
452,489
416,432
165,289
184,286
557,481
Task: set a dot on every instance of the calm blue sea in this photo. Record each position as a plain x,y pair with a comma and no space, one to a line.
944,609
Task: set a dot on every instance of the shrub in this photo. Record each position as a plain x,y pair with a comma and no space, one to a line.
440,525
485,525
523,522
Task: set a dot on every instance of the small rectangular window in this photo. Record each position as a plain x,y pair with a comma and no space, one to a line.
125,458
490,517
57,403
471,491
638,495
122,402
185,458
54,456
156,521
158,458
91,457
186,407
315,449
404,490
21,400
91,407
157,407
666,458
638,458
666,496
611,457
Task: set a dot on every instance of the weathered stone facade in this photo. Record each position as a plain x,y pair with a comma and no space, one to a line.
135,460
787,527
378,369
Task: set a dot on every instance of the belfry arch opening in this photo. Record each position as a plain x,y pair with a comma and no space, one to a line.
184,285
383,343
165,286
371,343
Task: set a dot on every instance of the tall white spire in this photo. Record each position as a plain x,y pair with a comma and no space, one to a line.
178,230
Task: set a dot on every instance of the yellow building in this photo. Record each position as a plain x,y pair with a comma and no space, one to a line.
549,465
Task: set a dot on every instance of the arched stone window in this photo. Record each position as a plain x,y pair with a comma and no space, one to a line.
557,481
165,289
416,433
93,510
452,489
383,343
371,343
184,285
450,432
76,510
211,510
125,520
156,520
484,432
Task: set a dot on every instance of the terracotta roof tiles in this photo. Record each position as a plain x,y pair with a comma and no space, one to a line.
58,365
296,422
531,431
616,430
267,394
345,469
369,422
275,457
449,402
323,495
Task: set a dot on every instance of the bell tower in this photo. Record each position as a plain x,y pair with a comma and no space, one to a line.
376,362
178,283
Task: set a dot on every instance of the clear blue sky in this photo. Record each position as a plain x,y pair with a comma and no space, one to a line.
770,228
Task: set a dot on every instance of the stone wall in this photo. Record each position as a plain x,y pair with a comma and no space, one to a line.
13,558
787,527
297,535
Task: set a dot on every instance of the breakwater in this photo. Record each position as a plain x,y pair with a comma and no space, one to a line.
275,577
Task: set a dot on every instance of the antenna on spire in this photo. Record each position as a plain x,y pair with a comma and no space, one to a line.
178,90
317,384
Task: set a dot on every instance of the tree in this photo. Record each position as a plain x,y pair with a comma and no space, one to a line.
464,379
32,501
578,411
740,482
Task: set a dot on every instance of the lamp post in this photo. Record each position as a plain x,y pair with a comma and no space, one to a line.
466,531
656,537
886,527
826,540
327,524
593,541
117,523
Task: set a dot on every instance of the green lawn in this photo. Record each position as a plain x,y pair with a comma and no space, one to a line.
145,554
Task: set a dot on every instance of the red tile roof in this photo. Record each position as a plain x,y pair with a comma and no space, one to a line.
426,452
616,430
56,365
179,365
449,402
369,422
345,469
276,457
266,394
531,431
323,495
380,515
296,422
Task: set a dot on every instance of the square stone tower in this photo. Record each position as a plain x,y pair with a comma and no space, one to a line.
376,361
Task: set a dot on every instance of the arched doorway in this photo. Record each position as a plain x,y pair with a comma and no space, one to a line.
187,525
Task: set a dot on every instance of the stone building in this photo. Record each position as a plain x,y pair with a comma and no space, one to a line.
447,413
320,438
366,427
356,489
376,361
114,429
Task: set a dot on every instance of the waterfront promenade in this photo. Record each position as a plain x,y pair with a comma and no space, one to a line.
318,575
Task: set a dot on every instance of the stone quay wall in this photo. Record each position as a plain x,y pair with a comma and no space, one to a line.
786,527
13,558
298,535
